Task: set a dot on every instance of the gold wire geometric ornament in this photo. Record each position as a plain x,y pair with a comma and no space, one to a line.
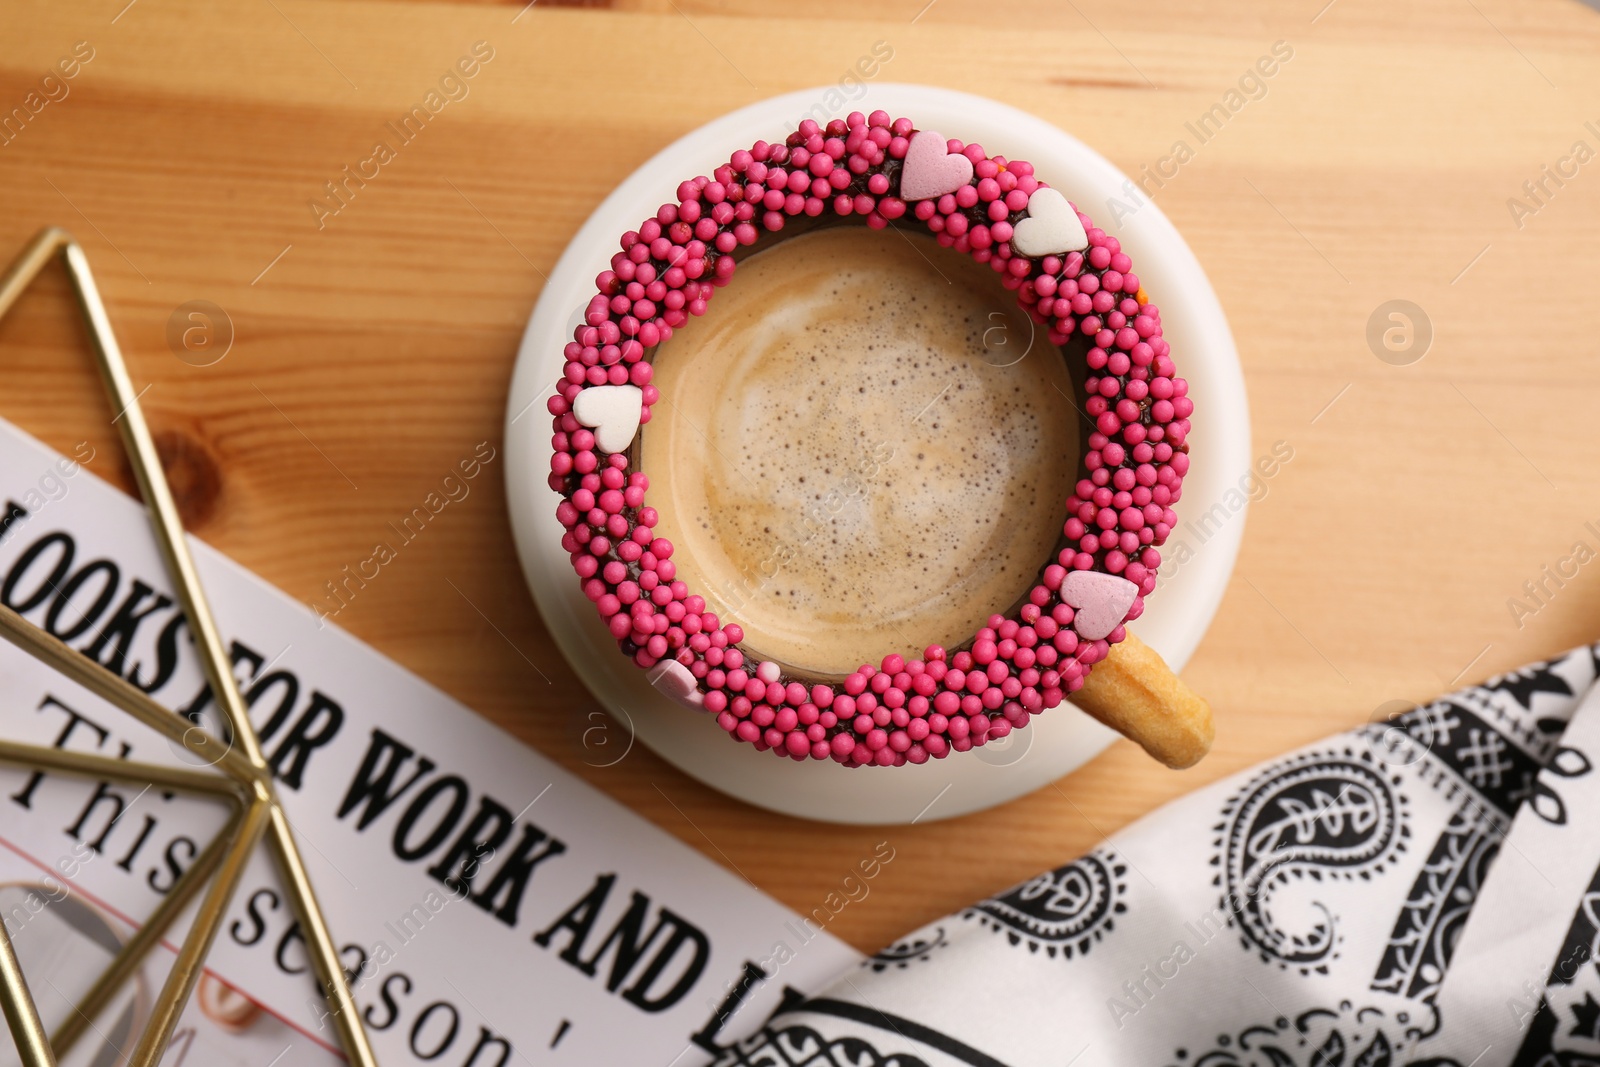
242,776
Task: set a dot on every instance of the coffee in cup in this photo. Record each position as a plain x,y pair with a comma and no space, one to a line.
862,448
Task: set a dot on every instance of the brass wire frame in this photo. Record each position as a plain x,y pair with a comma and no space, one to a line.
245,781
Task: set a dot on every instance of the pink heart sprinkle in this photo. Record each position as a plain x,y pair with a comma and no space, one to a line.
1100,600
931,169
675,681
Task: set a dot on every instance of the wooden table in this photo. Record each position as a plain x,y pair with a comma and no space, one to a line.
373,346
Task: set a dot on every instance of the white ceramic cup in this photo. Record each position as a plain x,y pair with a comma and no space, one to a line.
1055,742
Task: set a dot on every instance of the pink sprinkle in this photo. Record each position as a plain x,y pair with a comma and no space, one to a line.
664,274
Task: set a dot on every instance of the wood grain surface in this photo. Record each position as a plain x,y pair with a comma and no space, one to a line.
373,347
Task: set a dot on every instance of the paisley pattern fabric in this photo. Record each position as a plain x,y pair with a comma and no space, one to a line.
1564,1026
1061,911
905,952
1420,891
1327,815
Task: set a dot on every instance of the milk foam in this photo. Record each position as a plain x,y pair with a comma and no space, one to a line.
861,448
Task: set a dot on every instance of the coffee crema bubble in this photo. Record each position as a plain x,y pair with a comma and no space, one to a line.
862,448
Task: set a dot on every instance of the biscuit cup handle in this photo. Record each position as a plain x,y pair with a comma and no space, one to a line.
1134,692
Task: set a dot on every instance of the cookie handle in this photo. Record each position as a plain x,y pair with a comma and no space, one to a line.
1134,692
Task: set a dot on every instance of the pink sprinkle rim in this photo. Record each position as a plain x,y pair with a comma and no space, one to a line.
1120,512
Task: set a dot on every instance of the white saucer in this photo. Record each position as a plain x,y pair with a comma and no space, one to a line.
1055,743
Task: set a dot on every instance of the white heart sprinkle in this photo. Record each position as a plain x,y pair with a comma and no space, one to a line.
612,412
675,681
1100,602
1052,227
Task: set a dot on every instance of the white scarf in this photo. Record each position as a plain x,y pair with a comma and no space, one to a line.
1423,891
